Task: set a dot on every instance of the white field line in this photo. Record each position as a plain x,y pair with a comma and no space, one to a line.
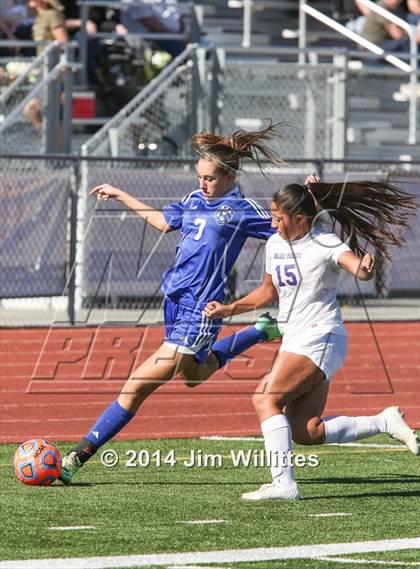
330,515
192,567
357,445
226,556
221,438
367,561
59,437
70,528
198,522
368,445
169,434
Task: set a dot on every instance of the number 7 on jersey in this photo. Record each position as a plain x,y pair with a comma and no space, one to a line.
202,223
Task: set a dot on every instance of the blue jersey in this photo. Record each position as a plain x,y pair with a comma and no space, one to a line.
213,233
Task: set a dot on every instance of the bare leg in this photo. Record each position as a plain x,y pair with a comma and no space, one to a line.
159,368
229,347
304,414
291,377
196,373
308,428
155,371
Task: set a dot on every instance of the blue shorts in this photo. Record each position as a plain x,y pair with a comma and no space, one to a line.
188,330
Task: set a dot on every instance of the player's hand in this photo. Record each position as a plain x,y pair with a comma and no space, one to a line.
367,263
312,179
216,309
106,191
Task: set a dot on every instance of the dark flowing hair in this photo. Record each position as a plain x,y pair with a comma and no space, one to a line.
230,151
370,212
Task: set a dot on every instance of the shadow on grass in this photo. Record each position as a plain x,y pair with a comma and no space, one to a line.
155,483
379,479
393,494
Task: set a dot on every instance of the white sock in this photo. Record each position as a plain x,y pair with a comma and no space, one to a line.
278,447
348,429
370,426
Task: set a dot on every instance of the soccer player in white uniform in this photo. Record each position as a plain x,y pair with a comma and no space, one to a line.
303,261
214,222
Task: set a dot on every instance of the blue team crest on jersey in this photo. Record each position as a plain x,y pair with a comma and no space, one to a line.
223,214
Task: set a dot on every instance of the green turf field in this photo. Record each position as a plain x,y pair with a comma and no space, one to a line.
146,510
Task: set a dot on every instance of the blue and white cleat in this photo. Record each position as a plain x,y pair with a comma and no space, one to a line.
267,324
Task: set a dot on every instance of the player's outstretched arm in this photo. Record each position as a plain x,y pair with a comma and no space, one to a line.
150,214
257,298
360,267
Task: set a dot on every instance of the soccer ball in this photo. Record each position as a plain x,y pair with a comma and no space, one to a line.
37,462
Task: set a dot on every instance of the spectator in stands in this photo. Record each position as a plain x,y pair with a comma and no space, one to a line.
413,16
49,24
15,22
10,16
100,19
72,18
73,24
358,12
384,33
148,16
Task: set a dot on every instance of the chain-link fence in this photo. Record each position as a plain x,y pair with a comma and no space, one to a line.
203,90
85,255
160,120
34,228
36,104
334,111
303,99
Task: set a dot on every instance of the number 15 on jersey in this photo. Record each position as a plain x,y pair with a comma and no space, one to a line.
287,274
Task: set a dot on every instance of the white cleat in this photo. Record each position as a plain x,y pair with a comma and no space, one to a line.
273,492
398,429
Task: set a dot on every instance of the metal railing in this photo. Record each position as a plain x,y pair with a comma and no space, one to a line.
235,87
38,62
248,8
109,135
305,9
53,69
344,109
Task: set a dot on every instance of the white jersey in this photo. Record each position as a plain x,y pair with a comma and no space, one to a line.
305,274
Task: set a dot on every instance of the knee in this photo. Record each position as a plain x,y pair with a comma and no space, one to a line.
134,393
264,405
130,402
309,434
191,380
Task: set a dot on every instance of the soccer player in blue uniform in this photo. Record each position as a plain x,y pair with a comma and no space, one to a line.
215,221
